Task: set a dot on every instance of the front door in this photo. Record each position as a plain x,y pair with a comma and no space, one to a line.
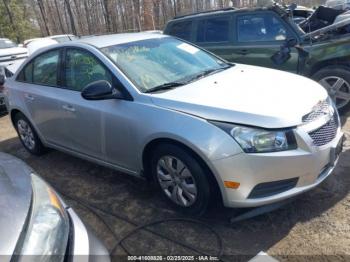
258,36
82,122
100,128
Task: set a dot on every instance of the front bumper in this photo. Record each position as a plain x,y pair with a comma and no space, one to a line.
307,166
83,244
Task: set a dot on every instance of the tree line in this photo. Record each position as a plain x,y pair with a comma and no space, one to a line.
23,19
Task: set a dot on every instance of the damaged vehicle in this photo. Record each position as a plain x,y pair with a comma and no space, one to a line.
322,17
156,107
300,13
269,37
338,4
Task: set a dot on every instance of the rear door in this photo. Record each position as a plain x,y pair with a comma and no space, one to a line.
39,84
214,34
258,36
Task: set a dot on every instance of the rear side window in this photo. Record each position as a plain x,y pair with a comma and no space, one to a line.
181,30
82,68
45,68
213,30
260,28
26,75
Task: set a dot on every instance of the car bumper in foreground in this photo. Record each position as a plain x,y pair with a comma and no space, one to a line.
268,178
83,245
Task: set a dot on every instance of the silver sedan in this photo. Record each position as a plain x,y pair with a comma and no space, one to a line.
156,107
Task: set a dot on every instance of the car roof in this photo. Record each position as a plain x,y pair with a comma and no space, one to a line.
223,11
115,39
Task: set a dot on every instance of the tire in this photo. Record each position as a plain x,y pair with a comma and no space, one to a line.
27,135
183,175
336,80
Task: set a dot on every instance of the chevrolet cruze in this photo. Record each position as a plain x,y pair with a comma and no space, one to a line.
156,107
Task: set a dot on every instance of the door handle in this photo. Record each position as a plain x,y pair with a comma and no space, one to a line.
68,108
243,52
29,97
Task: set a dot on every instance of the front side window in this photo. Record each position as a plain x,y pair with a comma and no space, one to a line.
154,62
260,28
213,30
82,68
182,30
45,68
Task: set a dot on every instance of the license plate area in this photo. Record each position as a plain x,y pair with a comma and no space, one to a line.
335,152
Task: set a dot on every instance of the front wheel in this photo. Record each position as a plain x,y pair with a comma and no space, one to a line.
181,178
336,80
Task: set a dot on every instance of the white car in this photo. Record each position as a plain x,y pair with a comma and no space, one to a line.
37,43
10,52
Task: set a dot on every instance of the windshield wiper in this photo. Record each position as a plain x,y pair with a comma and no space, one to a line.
166,86
208,72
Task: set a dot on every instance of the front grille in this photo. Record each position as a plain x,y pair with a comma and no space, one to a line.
321,109
326,133
272,188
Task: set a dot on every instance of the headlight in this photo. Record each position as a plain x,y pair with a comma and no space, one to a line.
48,227
255,140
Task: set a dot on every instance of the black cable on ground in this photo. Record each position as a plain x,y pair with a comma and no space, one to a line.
145,228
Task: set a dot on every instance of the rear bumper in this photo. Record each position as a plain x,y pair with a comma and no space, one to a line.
83,244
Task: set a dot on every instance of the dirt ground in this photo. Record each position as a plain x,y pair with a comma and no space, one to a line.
316,223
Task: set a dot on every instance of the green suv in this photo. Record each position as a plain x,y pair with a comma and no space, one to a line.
268,37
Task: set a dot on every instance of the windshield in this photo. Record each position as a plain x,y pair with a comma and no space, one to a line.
155,62
6,43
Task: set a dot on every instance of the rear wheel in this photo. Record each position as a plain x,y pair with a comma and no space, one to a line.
27,135
181,179
336,80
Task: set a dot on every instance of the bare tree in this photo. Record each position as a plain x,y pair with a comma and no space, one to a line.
71,18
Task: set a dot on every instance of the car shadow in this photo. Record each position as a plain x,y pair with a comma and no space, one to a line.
123,198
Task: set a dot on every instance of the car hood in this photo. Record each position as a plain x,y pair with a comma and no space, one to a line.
12,51
247,95
15,201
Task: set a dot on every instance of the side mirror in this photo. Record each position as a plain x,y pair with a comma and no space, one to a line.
283,55
100,90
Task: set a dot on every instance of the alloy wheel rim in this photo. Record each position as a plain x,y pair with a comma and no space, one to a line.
26,134
338,89
176,181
